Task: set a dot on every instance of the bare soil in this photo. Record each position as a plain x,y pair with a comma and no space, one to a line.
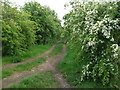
49,65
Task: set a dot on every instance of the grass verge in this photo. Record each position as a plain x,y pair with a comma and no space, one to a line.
71,70
35,50
41,80
22,67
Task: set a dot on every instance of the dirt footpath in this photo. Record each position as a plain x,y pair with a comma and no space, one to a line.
30,59
49,65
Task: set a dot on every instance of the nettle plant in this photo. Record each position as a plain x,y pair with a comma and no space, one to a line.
93,36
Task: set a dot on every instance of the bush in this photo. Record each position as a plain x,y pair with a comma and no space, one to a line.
17,31
92,28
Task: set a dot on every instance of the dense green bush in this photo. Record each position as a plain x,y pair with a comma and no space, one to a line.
17,30
93,32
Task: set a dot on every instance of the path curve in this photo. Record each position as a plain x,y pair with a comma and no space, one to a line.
49,65
30,59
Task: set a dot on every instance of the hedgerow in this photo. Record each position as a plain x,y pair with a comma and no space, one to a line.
25,26
93,31
17,30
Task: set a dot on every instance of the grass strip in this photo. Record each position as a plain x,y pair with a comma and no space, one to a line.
41,80
30,65
22,67
35,50
57,49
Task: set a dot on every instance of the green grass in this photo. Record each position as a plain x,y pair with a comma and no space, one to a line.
57,49
0,48
0,74
0,61
71,70
1,68
32,52
22,67
41,80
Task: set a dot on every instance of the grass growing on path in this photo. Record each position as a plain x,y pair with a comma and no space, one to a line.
57,49
41,80
30,65
35,50
22,67
71,70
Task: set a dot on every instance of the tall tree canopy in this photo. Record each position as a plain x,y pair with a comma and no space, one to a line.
48,26
23,27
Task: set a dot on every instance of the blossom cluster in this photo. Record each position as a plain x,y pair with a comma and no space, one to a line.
92,30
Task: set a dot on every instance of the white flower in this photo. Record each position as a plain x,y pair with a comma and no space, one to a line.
112,39
115,55
115,47
91,43
112,69
110,7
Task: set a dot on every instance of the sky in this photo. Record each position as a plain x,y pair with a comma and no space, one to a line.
57,5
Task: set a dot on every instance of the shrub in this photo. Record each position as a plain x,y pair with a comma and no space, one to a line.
92,28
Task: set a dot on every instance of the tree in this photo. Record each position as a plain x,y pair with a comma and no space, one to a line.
47,24
17,31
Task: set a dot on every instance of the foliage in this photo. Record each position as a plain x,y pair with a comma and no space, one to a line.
26,26
48,26
71,70
17,31
91,28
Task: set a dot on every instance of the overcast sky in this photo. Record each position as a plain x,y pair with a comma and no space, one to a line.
57,5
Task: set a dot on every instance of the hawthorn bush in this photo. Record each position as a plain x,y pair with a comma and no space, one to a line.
93,31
